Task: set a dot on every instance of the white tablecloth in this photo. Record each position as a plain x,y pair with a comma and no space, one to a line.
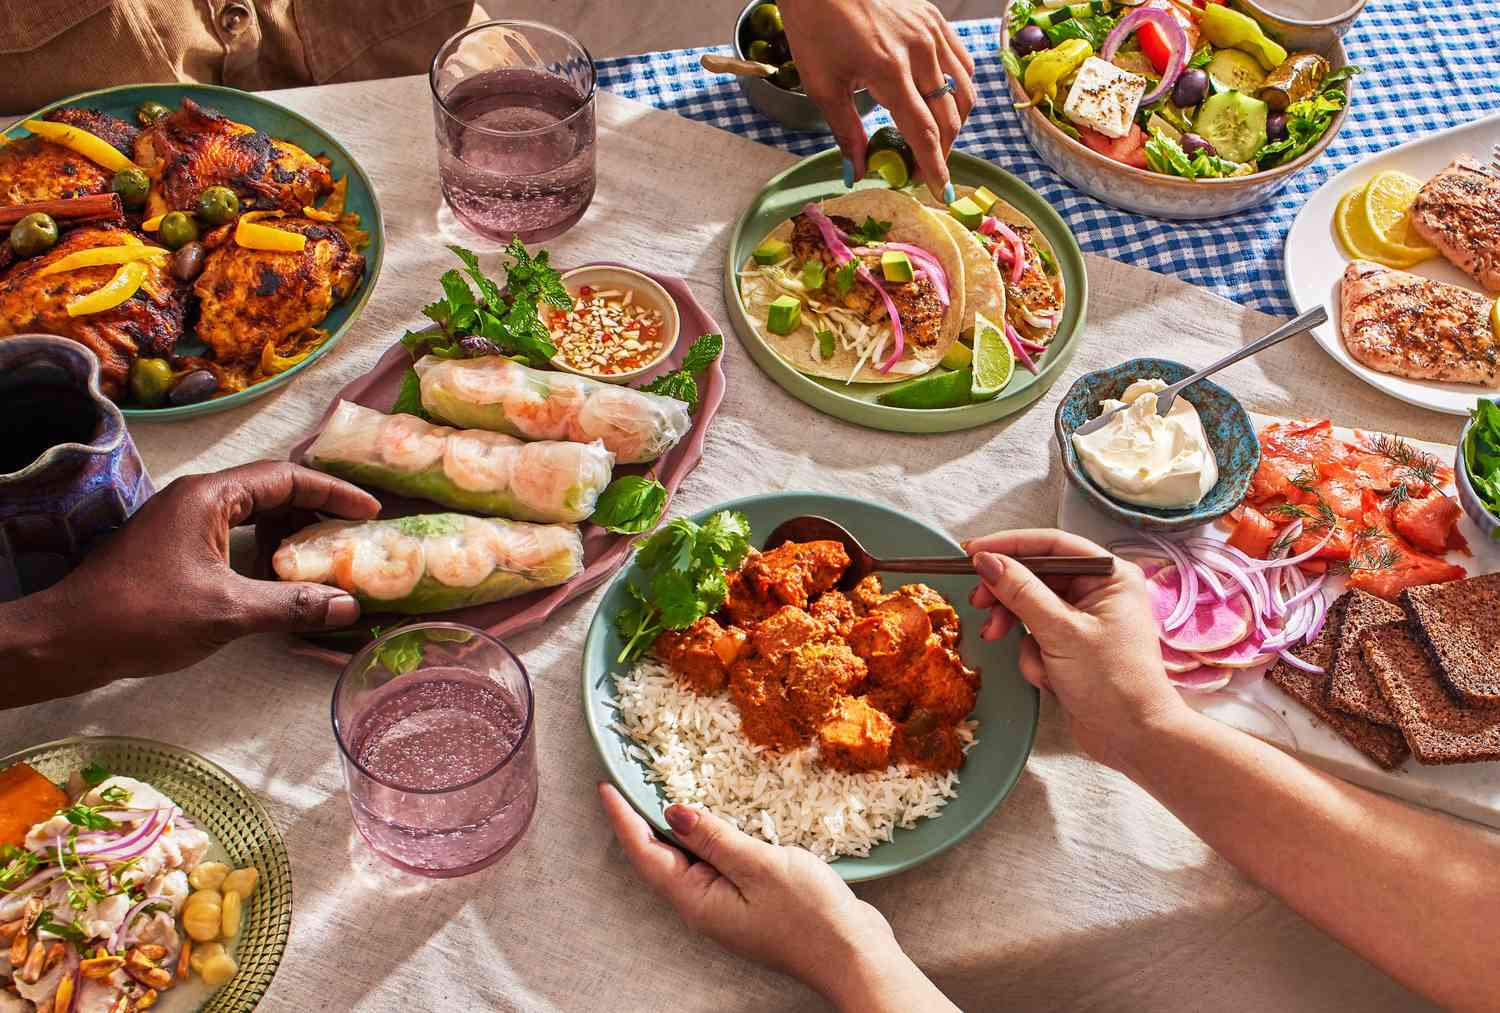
1079,893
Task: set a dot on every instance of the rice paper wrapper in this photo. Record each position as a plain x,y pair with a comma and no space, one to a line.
468,469
431,562
501,395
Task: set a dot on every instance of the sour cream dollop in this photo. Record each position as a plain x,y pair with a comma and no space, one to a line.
1148,459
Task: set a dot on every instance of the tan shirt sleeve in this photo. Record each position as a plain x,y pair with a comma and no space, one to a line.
54,48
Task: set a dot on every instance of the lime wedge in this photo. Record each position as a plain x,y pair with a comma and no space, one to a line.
891,167
994,362
957,356
935,390
1495,319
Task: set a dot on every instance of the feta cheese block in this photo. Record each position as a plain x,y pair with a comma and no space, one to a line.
1104,97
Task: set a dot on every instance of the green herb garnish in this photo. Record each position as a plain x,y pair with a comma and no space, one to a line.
680,383
409,399
1020,15
1202,56
632,504
94,775
843,278
870,232
683,566
88,817
826,344
1093,29
72,931
1482,453
1306,121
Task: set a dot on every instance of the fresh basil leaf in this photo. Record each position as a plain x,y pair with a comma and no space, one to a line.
409,399
630,505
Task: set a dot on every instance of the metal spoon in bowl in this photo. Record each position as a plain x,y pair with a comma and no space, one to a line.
1164,397
861,564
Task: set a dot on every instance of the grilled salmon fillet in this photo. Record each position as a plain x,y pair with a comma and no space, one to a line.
1458,211
1406,325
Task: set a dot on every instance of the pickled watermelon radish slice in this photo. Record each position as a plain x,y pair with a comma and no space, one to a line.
1213,626
1203,679
1178,661
1164,587
1248,653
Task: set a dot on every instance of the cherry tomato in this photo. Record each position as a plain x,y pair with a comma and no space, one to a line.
586,291
1154,45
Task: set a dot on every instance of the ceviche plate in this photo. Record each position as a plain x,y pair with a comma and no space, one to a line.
819,176
241,831
1007,706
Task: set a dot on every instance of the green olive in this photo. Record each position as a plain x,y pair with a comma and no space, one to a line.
150,379
177,229
765,21
36,233
787,76
132,185
149,112
759,51
217,205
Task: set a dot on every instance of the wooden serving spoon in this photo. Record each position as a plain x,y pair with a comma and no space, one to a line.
861,564
718,63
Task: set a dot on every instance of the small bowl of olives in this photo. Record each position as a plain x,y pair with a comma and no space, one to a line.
759,36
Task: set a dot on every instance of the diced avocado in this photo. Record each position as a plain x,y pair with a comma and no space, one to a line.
813,274
826,344
772,251
966,211
983,199
957,356
896,266
784,315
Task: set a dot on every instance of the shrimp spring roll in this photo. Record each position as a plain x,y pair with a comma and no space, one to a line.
503,396
431,562
467,469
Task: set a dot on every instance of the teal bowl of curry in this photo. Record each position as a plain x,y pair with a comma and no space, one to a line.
279,123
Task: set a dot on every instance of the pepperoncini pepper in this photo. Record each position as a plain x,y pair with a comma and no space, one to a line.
1050,67
95,149
1229,29
126,282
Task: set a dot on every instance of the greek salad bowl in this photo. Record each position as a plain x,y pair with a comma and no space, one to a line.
1274,105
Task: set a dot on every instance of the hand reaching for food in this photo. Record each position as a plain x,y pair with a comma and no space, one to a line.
900,50
1091,641
160,595
745,894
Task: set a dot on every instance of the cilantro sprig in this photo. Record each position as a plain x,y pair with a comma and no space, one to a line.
684,566
871,231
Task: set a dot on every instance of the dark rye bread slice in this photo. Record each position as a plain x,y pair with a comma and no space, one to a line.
1459,624
1437,727
1351,687
1380,743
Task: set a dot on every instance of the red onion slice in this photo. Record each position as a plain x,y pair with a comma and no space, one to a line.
1018,348
122,931
1176,39
923,259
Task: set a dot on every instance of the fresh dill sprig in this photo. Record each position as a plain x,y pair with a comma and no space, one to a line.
1419,466
1370,562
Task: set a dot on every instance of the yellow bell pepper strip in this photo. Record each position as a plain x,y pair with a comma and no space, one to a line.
126,282
90,146
271,363
1050,67
319,215
152,224
100,255
1229,29
250,234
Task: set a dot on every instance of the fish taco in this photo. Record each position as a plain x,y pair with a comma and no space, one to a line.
821,288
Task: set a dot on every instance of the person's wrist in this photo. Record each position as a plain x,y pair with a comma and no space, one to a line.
1156,732
32,645
860,971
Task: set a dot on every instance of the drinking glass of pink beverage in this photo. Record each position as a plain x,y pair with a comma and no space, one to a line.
435,724
514,105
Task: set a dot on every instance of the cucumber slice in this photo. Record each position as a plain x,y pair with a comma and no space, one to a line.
1233,70
1234,123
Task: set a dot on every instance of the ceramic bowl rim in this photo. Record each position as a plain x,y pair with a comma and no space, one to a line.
1350,13
107,408
1149,517
1077,149
1467,494
670,316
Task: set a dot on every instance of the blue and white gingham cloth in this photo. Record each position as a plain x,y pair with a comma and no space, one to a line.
1428,66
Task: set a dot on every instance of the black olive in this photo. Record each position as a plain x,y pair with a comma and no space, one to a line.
187,262
199,385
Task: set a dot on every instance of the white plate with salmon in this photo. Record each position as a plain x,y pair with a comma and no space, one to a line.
1422,329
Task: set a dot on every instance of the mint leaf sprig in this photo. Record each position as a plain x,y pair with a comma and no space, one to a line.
680,382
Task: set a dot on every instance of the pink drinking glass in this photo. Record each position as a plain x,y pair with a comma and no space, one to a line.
435,723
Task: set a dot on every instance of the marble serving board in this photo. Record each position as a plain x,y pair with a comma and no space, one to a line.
1254,705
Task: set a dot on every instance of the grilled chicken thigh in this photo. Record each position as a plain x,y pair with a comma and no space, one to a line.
249,297
196,147
1458,211
1410,326
148,323
32,169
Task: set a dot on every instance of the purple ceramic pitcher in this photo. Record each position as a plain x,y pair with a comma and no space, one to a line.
69,471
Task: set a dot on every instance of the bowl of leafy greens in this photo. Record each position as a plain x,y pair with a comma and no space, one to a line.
1477,470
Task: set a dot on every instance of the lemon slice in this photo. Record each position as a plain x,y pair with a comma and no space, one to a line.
994,362
1354,231
1495,318
1387,205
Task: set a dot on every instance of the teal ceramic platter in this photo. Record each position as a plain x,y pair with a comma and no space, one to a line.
1006,711
820,176
279,122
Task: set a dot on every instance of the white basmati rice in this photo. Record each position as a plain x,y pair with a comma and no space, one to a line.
693,747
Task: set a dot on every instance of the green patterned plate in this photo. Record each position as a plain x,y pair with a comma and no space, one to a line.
242,834
279,122
817,177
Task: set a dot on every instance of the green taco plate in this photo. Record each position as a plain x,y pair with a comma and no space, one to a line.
1006,709
819,176
241,834
284,124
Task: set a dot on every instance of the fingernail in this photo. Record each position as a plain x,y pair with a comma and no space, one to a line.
974,597
848,172
682,819
989,567
949,194
342,610
991,629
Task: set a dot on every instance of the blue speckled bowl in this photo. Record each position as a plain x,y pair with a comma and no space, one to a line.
1483,519
1229,430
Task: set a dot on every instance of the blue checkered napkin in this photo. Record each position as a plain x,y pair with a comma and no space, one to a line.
1427,66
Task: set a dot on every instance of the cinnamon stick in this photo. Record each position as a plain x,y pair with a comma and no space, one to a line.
97,207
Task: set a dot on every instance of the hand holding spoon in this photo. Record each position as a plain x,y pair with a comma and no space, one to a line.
861,563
